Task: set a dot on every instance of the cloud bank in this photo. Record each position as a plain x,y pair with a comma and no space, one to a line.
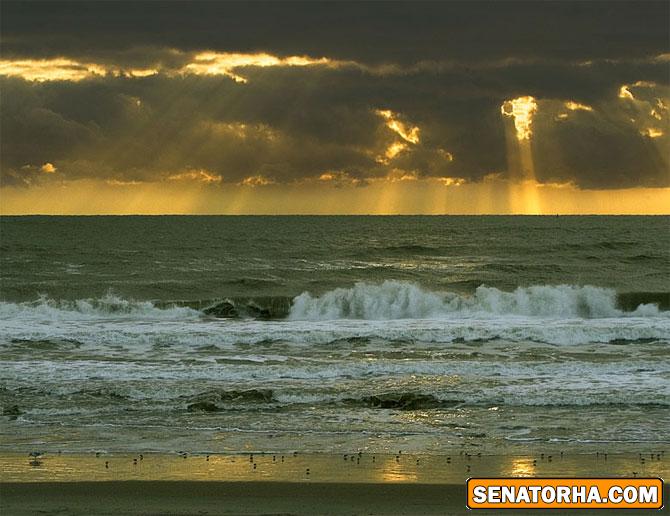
344,94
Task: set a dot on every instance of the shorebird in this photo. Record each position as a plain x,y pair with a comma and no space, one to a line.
35,454
106,464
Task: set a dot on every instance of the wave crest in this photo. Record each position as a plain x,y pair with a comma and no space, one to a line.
405,300
110,305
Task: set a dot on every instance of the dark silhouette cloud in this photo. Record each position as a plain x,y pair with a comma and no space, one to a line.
399,32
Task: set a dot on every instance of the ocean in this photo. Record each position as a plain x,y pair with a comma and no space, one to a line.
422,334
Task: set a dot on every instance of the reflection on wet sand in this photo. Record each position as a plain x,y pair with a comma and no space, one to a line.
295,467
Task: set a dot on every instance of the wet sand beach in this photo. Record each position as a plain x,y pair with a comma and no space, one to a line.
270,483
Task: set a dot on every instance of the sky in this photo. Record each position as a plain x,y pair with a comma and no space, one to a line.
473,107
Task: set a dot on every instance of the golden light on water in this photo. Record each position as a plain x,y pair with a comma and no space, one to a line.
521,467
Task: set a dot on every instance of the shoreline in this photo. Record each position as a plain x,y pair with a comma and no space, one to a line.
281,484
260,498
297,467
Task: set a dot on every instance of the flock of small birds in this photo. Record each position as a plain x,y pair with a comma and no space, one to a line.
36,458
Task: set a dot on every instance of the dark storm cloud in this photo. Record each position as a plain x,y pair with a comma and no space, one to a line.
402,32
447,68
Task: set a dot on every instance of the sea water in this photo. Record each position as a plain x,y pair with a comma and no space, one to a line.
422,334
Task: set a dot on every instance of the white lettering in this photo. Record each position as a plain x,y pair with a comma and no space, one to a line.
494,494
614,495
594,495
479,493
648,494
630,494
548,494
535,491
523,495
563,494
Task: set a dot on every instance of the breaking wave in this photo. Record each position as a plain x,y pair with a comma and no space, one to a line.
108,306
390,300
404,300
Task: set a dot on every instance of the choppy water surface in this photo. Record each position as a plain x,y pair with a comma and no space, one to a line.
334,333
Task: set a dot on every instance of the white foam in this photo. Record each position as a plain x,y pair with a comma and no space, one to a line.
110,306
391,311
405,300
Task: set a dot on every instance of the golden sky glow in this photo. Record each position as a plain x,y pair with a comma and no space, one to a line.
521,110
524,197
196,175
624,93
293,162
48,168
49,69
652,132
213,63
204,63
409,134
328,196
576,106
